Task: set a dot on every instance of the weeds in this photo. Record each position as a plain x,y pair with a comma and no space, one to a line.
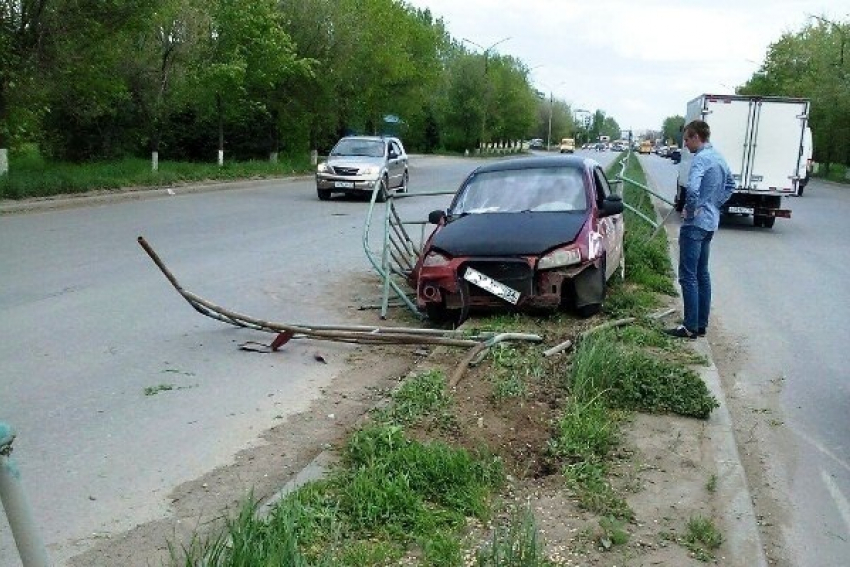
515,545
702,538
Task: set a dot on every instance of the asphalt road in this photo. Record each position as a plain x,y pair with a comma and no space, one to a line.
782,300
89,324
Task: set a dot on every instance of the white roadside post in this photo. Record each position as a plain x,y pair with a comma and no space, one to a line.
4,161
27,538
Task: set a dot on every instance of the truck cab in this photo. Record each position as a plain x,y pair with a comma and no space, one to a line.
568,146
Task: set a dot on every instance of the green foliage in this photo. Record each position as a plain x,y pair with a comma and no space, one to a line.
672,127
813,63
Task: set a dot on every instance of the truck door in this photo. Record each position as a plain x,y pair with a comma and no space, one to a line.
731,121
776,145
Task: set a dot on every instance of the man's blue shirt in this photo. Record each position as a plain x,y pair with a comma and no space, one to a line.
710,184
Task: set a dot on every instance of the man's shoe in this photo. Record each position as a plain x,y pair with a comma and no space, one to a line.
681,332
701,331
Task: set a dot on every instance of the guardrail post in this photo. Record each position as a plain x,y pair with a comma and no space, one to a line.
27,538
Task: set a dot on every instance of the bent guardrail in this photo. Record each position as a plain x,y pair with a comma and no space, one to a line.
27,537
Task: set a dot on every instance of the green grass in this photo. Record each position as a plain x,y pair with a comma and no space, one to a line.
423,395
32,176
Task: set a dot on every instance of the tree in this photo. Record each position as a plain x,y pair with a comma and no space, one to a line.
671,128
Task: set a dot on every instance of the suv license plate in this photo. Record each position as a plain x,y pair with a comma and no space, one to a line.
344,185
487,283
742,210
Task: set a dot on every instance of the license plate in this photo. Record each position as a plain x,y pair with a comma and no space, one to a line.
487,283
742,210
344,185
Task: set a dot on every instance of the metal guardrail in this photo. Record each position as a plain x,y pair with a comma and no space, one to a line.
399,253
27,537
624,163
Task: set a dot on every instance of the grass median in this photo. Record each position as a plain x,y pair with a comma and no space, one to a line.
31,176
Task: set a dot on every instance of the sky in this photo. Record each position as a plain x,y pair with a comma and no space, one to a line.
637,61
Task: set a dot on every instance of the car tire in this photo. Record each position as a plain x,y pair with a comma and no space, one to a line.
405,179
324,194
438,314
382,191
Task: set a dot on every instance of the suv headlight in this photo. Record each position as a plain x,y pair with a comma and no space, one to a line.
370,171
560,258
323,168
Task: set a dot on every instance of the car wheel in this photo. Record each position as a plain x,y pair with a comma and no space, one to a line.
382,191
768,222
324,194
405,179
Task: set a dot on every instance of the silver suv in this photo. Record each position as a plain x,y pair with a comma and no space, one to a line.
359,164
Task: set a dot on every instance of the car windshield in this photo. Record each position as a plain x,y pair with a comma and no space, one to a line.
355,147
551,189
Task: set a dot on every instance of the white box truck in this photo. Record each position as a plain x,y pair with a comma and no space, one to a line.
767,144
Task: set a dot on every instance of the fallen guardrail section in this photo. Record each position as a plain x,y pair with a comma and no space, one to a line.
362,334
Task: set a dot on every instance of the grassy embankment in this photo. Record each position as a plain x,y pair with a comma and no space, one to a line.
395,496
32,176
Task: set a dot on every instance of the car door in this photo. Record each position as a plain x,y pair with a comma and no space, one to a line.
611,228
395,163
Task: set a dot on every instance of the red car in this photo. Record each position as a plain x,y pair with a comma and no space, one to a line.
525,233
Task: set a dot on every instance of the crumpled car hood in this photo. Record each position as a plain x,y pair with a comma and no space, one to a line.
508,234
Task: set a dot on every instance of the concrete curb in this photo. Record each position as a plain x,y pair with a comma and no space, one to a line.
93,198
740,526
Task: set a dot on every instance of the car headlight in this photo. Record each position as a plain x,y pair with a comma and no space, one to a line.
560,258
323,168
434,259
370,171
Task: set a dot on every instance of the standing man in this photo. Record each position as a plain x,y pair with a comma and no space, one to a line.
710,184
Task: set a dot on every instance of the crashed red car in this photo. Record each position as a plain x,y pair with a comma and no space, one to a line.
522,234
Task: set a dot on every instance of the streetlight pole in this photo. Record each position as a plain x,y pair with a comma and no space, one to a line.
549,135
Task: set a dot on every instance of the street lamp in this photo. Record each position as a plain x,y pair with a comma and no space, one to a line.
549,135
486,50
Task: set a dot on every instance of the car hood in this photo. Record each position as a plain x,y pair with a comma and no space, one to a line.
508,234
355,161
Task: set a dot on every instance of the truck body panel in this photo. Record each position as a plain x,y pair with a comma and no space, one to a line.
763,141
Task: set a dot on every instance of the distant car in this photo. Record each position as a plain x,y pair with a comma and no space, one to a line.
535,144
567,146
645,147
527,233
358,164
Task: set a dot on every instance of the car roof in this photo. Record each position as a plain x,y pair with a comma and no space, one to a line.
374,138
538,162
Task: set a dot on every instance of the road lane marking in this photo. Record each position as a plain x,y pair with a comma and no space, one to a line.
840,502
823,450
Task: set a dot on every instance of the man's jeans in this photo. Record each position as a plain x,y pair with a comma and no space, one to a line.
694,247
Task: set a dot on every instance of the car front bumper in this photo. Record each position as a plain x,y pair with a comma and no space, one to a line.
346,184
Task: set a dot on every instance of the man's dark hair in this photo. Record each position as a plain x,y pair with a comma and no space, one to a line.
700,128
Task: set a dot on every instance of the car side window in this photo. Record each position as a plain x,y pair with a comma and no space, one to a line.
602,187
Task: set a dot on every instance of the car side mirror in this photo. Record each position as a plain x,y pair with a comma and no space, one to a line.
436,217
612,205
